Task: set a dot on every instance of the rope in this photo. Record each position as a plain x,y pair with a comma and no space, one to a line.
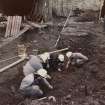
63,28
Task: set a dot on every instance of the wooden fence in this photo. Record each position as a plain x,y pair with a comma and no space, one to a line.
62,7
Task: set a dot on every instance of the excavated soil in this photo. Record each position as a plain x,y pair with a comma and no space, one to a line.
83,85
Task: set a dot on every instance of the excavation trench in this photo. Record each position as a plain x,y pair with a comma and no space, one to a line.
83,84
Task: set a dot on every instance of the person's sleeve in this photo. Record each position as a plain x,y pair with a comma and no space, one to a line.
46,83
80,56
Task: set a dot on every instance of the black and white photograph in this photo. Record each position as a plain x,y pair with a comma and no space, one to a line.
52,52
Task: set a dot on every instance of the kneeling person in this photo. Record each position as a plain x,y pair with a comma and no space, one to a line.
31,84
76,58
35,63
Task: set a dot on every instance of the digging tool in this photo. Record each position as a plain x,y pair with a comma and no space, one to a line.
40,99
13,64
59,50
49,98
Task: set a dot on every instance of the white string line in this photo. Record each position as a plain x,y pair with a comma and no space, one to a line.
8,59
63,28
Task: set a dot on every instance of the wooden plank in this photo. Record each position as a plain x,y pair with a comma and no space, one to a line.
36,25
13,26
10,39
9,25
19,25
16,25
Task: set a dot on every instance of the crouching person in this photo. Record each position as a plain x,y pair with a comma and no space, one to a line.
56,62
35,63
31,84
77,59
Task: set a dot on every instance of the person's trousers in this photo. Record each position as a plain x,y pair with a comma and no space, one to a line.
32,91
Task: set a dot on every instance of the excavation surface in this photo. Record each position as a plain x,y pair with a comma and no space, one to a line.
83,85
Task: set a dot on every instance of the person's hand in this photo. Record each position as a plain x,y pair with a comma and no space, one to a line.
48,77
51,87
59,69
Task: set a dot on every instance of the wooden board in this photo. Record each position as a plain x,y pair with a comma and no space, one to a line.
10,39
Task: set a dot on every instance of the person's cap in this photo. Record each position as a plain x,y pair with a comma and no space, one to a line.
43,73
45,56
61,57
68,54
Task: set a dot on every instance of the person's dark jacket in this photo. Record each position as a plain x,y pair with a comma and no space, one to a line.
55,63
